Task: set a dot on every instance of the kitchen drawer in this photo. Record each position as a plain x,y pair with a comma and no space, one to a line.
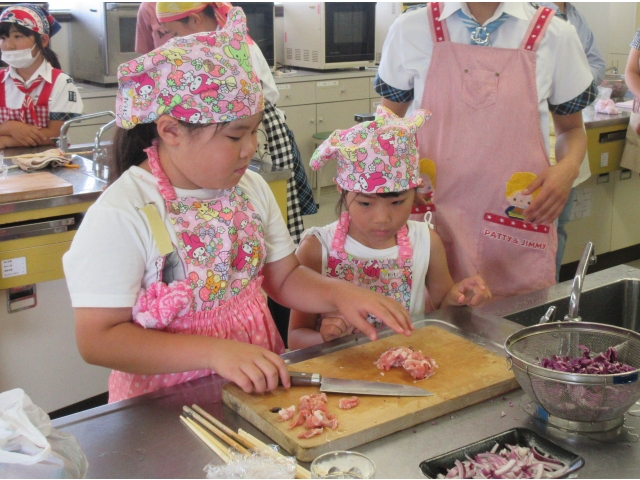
43,262
298,93
342,90
605,146
374,104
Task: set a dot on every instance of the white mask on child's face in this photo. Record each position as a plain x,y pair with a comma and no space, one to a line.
19,58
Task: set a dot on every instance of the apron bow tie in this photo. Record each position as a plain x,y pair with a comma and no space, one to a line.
480,35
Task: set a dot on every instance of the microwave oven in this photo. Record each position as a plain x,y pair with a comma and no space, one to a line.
329,35
261,25
104,36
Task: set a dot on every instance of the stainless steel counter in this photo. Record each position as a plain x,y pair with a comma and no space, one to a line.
592,119
143,437
87,188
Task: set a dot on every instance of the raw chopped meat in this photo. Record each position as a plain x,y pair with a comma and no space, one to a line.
348,403
320,419
394,357
418,365
311,433
287,413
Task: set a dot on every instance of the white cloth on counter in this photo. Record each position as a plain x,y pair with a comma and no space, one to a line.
114,253
420,239
562,71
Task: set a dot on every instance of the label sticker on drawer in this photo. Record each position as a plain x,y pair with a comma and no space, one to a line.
14,267
334,83
286,86
604,159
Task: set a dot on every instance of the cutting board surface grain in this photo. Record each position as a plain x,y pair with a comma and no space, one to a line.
30,186
467,373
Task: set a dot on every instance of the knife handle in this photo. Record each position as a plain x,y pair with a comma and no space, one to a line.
304,379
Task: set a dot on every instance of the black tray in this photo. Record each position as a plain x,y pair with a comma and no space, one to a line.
522,437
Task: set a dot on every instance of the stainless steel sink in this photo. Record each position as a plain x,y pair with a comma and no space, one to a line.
610,296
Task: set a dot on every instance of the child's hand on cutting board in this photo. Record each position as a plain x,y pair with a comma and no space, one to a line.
471,291
252,368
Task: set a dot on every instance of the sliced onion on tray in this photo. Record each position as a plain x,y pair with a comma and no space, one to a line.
602,364
510,462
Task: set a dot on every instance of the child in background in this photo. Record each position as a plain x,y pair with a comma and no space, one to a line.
166,270
36,97
374,244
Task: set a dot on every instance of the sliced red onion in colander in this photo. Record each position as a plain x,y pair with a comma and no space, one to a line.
602,364
510,462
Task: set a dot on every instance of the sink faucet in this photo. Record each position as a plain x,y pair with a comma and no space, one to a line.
63,141
613,70
99,154
588,258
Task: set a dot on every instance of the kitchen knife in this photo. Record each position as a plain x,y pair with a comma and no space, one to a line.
357,387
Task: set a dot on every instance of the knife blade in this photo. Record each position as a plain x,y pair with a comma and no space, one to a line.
359,387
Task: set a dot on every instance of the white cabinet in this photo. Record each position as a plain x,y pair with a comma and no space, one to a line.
323,105
625,225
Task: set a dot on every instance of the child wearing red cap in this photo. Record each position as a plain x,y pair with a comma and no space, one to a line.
36,97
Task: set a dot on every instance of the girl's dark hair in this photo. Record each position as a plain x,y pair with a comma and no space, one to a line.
208,11
48,54
342,205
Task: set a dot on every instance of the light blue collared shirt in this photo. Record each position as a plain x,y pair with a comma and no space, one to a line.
575,18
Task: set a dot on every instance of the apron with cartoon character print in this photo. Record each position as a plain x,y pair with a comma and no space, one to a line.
489,95
222,251
390,277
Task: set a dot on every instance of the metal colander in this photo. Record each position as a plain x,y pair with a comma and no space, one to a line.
569,396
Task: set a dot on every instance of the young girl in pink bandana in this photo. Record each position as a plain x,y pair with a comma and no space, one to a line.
166,285
36,97
374,244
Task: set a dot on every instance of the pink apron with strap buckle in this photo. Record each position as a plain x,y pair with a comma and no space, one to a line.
36,114
222,251
486,134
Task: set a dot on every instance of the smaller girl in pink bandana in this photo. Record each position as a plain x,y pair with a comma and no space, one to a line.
168,271
374,244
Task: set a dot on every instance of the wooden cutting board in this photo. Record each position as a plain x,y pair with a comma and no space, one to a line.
29,186
467,374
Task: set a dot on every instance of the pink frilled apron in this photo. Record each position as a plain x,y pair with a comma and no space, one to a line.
30,112
486,128
390,277
222,250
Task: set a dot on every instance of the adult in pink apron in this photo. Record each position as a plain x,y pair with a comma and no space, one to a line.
486,138
31,113
222,251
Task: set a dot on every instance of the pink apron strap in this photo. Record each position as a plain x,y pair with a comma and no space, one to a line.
3,101
439,31
164,184
537,27
405,251
342,230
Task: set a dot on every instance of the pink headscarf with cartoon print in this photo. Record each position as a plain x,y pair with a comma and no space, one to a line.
379,156
202,78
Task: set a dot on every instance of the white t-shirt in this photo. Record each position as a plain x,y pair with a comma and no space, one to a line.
420,239
263,71
562,70
113,253
64,96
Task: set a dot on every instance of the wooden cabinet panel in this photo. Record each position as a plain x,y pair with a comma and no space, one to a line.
332,116
341,90
300,93
625,226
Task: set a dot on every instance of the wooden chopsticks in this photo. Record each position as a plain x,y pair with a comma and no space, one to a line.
213,433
